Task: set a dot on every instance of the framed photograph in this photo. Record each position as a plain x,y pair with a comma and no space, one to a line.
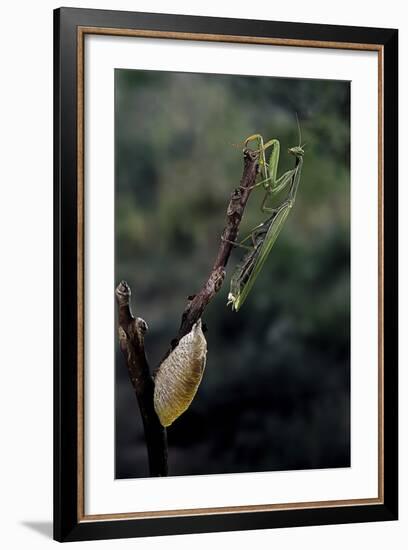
225,274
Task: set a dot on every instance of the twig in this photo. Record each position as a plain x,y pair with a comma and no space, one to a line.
131,339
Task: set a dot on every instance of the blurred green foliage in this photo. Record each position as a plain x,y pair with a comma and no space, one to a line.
275,393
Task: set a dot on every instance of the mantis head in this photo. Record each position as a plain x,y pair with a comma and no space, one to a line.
297,151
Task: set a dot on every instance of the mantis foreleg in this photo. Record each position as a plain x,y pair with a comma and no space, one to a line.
271,183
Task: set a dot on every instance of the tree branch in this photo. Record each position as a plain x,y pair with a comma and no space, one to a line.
131,340
196,305
132,331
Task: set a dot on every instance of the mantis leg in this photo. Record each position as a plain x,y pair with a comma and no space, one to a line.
251,235
261,148
254,233
253,186
273,159
295,179
280,184
239,245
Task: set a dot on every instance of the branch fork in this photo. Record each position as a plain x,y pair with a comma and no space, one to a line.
132,330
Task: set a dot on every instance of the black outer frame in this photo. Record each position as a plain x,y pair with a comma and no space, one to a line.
66,525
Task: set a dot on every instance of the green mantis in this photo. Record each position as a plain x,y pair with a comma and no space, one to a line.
265,234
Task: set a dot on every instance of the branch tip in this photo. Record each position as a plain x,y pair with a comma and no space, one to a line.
142,326
123,293
123,289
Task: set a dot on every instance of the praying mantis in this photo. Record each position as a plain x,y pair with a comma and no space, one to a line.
264,235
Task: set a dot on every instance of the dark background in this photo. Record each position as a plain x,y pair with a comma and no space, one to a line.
276,390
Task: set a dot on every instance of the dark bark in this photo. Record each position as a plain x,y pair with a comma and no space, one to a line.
131,339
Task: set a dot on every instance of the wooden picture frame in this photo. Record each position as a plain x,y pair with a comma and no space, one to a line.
71,26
